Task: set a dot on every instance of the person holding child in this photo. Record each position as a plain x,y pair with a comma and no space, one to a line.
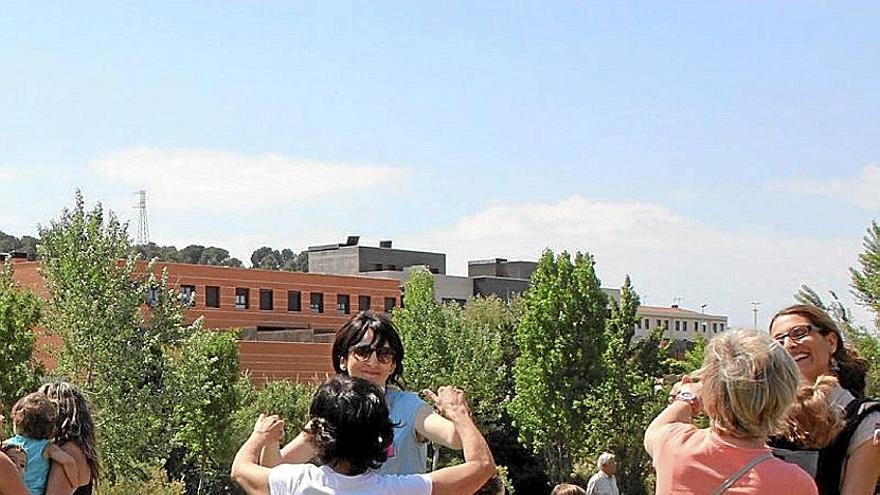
33,421
75,434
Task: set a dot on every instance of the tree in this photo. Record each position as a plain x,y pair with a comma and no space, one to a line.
118,352
561,340
266,258
26,244
19,313
205,400
866,278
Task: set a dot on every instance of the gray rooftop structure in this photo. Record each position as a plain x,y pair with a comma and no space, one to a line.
350,258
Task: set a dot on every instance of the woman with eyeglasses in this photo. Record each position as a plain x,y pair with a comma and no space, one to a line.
833,443
369,347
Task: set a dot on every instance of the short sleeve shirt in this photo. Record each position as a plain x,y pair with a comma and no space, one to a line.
307,479
693,461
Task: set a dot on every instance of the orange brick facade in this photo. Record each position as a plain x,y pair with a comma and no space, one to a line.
266,360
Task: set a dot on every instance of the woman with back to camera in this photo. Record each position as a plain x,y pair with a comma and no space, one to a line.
350,430
75,434
746,385
369,347
839,447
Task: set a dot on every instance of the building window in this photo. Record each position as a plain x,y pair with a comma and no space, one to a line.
294,300
188,295
212,296
696,327
721,327
390,303
639,324
153,295
343,303
316,302
704,328
647,324
242,298
714,327
363,303
677,326
266,299
454,300
666,325
659,324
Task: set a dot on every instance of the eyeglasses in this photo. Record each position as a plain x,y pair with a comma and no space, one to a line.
363,352
797,334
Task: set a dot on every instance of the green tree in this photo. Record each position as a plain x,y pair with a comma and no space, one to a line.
561,340
866,278
118,352
19,313
205,400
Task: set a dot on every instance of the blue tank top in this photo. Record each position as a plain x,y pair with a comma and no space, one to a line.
407,455
37,473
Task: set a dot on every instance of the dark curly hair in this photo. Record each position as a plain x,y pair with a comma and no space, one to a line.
74,423
383,331
349,422
34,416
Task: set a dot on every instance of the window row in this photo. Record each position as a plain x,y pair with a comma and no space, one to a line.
680,326
267,299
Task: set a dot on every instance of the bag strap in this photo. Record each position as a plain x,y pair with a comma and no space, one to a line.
743,470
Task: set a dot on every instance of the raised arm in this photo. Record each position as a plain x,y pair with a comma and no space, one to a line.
436,428
678,411
479,465
246,469
297,451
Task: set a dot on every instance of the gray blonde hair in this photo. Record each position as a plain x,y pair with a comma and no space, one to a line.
749,383
605,458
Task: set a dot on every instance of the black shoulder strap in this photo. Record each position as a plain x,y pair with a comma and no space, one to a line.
831,457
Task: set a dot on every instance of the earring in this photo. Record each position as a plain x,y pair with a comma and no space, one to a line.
835,365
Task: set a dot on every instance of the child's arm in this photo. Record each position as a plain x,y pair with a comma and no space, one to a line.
67,462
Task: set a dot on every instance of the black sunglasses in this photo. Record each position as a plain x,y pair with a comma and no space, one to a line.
363,352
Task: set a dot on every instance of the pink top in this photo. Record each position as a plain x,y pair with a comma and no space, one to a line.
690,460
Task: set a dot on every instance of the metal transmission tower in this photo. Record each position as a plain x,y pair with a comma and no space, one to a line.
143,235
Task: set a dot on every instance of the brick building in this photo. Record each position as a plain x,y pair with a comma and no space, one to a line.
287,319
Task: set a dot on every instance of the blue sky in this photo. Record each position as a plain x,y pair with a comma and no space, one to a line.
719,152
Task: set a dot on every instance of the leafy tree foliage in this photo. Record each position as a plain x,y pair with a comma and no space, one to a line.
266,258
19,313
286,399
866,278
26,244
561,341
205,400
118,352
193,254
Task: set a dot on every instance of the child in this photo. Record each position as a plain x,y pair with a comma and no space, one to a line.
33,421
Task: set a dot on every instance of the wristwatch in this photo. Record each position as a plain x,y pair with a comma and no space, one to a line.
691,398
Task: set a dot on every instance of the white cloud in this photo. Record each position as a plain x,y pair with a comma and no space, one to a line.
862,191
666,254
202,179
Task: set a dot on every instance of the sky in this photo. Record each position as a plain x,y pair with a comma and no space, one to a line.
718,153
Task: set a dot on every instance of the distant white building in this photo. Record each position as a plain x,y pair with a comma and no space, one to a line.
678,323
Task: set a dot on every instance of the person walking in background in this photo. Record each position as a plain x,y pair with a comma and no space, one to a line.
847,461
747,384
604,482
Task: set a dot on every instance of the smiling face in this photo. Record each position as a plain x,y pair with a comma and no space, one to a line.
814,350
372,368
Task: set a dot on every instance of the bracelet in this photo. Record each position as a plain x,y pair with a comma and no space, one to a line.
691,398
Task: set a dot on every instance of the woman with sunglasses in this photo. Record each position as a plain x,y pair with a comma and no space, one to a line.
369,347
848,462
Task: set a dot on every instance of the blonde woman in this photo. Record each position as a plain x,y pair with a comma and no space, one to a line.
746,386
